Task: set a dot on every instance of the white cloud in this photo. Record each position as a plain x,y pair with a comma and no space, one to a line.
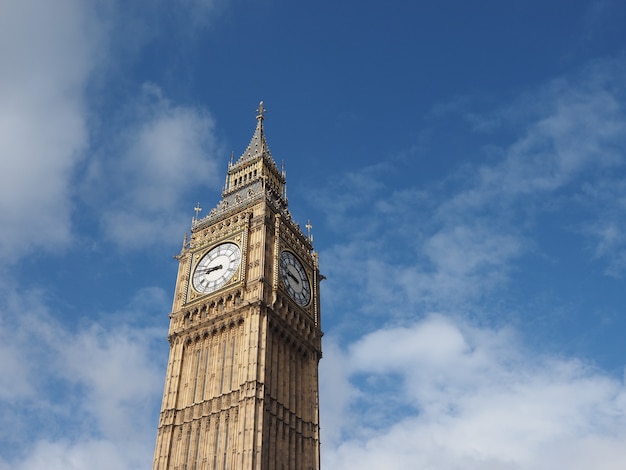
47,52
463,238
440,392
468,397
468,260
578,129
50,52
119,378
82,455
79,398
607,230
164,152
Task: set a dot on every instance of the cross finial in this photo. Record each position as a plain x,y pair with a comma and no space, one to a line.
197,209
309,227
261,111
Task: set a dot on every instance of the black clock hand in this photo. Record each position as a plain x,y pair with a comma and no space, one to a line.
293,277
214,268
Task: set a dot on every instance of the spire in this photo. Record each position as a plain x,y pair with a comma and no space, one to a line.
253,177
256,172
258,144
261,111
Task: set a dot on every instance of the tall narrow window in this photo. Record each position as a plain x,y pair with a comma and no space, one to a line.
223,367
217,444
188,458
196,380
226,443
206,372
195,460
232,365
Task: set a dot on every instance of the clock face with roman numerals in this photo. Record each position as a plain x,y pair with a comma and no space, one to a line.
216,268
294,278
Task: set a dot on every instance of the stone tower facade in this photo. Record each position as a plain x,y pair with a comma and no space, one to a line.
241,388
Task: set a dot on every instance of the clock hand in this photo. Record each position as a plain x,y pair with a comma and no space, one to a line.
293,277
214,268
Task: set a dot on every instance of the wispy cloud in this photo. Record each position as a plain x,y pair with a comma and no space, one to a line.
454,391
142,178
48,55
462,396
464,236
606,230
89,393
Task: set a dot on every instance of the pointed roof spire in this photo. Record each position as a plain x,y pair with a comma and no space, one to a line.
258,144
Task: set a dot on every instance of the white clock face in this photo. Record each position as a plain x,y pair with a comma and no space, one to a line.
294,278
216,267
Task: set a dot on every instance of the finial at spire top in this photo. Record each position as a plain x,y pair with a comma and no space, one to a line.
261,111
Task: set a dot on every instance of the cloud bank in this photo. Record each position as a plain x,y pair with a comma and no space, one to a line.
442,394
85,397
462,389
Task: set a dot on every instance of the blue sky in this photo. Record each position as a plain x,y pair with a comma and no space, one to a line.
463,165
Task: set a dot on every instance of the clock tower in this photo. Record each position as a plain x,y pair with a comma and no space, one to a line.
241,387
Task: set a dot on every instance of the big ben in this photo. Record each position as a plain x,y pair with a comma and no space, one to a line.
241,387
